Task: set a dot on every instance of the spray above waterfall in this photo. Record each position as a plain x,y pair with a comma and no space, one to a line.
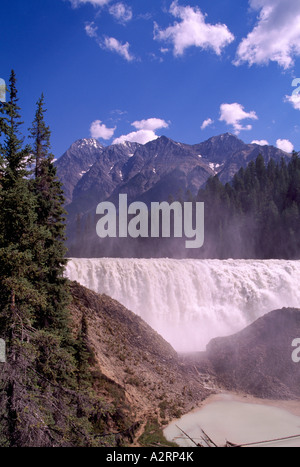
189,302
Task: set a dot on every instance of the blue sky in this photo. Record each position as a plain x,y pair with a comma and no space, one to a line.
137,69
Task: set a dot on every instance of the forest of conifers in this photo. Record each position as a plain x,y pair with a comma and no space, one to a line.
257,215
47,393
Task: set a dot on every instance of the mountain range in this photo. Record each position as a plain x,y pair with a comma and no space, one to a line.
157,171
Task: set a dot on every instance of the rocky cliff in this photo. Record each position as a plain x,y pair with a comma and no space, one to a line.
140,375
258,360
136,360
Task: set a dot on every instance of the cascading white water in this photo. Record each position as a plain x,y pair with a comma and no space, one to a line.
191,301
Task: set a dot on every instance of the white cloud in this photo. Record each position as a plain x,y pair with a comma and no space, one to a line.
96,3
141,136
91,29
151,124
294,99
99,130
192,30
276,36
233,114
109,43
121,12
146,131
285,145
206,123
112,44
261,142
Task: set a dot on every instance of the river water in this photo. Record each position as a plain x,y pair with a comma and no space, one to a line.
189,302
225,417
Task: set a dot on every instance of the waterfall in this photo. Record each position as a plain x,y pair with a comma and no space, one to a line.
189,302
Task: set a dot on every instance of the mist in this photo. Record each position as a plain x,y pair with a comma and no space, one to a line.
189,302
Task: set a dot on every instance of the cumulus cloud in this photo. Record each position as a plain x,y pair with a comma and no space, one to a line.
146,131
193,30
294,99
151,124
91,29
112,44
206,123
99,130
121,12
96,3
285,145
261,142
234,114
141,136
275,37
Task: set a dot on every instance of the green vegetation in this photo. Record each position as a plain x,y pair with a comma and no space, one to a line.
47,390
255,216
153,435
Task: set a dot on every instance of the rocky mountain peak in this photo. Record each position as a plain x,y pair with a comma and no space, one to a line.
86,143
75,162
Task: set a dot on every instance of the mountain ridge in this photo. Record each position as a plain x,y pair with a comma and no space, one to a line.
160,170
223,154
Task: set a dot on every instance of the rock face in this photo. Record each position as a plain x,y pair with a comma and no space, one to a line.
75,162
161,168
220,148
136,359
147,379
103,177
258,360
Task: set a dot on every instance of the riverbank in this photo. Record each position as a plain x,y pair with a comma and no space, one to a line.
239,419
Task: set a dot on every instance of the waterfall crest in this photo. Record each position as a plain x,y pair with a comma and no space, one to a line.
189,302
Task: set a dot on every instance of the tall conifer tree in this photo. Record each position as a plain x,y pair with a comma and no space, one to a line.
51,216
19,235
44,398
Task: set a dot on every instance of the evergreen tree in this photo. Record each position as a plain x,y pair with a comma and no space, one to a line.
51,216
18,230
42,399
19,235
40,133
